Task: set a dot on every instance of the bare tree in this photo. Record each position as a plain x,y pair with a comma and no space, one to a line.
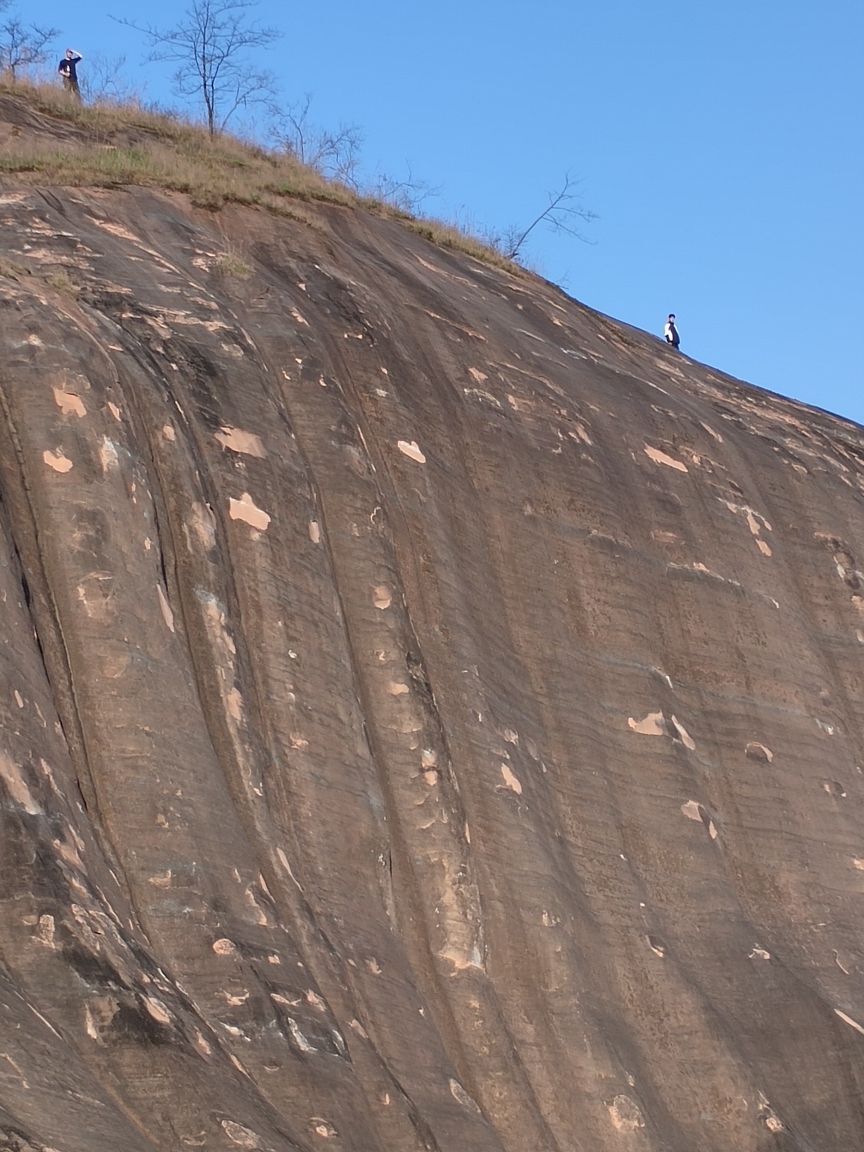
562,212
405,195
335,154
108,79
210,46
22,45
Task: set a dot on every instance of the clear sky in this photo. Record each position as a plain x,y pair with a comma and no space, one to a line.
719,144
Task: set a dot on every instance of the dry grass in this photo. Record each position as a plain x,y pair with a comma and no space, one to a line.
231,263
451,236
12,271
110,144
60,280
57,278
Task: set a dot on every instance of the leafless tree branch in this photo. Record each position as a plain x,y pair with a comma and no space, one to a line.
210,46
407,195
562,212
333,153
22,45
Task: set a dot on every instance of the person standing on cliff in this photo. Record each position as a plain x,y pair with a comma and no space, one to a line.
671,331
68,70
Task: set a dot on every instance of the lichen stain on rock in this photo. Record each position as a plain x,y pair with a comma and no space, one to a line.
459,1094
240,1135
244,443
247,510
68,403
201,527
625,1114
57,460
108,455
382,597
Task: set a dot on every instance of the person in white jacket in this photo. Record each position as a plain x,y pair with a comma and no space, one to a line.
68,70
671,332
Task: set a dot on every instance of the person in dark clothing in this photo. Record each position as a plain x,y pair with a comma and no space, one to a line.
68,70
671,332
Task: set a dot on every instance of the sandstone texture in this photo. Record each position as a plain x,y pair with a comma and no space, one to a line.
430,711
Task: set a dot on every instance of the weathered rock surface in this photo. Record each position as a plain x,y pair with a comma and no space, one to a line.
431,711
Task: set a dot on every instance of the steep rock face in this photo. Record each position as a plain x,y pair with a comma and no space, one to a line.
431,711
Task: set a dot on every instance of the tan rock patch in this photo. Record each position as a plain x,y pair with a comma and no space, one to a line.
247,510
167,614
68,403
654,724
659,457
510,780
683,735
58,461
757,751
17,786
244,443
692,810
411,449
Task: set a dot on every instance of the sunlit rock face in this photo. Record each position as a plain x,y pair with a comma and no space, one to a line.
431,711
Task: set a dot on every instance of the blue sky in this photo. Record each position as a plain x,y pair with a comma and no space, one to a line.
720,146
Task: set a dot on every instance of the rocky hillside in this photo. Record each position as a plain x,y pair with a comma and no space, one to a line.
431,711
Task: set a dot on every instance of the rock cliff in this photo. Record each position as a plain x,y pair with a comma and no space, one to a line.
431,711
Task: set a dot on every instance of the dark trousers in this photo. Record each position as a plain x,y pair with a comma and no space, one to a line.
70,86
